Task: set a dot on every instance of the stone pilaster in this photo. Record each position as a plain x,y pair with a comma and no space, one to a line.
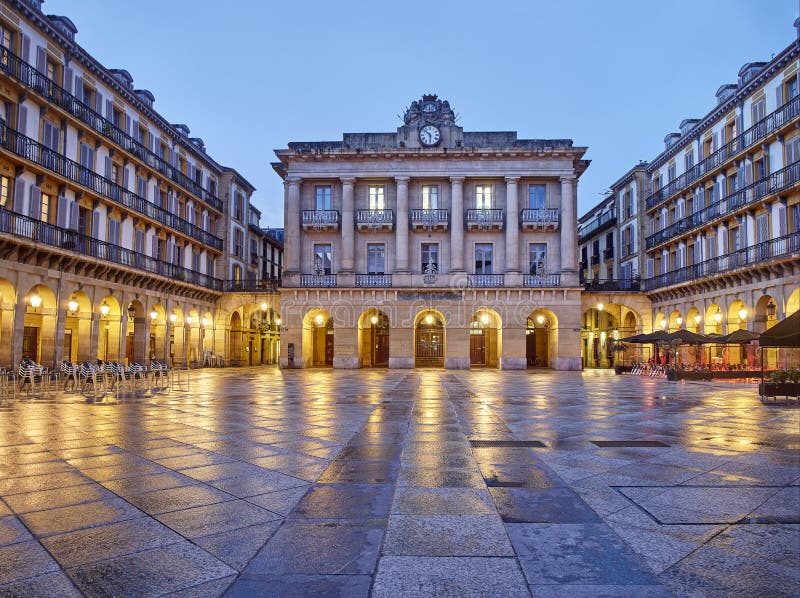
569,226
401,230
457,224
348,227
292,221
512,225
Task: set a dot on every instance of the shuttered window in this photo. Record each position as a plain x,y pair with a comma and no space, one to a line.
762,228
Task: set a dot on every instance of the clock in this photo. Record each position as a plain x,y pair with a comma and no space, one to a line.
429,135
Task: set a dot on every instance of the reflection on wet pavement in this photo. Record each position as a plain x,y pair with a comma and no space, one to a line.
402,483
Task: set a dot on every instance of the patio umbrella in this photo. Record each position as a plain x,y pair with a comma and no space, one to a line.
737,337
785,333
687,337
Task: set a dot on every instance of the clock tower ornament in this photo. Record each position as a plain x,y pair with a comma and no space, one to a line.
430,122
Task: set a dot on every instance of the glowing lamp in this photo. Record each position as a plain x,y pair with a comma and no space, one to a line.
663,323
205,322
718,317
35,300
264,307
679,320
600,307
374,320
540,319
429,319
104,309
172,318
319,319
189,320
278,321
153,315
742,314
697,319
72,306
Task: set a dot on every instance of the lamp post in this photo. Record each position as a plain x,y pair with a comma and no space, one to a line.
187,333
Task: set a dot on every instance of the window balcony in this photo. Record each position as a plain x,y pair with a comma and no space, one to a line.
597,225
595,260
485,280
539,218
380,281
430,219
541,280
484,220
320,220
375,220
318,280
597,285
608,253
252,286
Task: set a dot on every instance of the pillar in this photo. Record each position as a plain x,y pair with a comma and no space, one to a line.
512,225
19,331
348,226
569,226
457,224
401,230
6,336
292,211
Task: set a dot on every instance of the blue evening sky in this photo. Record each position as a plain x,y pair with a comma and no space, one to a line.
248,76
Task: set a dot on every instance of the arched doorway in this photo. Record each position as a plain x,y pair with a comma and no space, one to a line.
235,339
601,331
77,328
373,339
8,300
429,339
539,338
318,338
136,347
484,338
109,332
39,326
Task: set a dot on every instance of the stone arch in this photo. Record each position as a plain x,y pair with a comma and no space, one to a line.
541,338
765,314
39,325
714,319
8,302
600,325
675,320
694,320
430,338
792,303
78,328
485,337
318,338
235,338
137,345
738,314
373,338
177,336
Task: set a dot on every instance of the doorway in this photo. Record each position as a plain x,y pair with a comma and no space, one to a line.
429,341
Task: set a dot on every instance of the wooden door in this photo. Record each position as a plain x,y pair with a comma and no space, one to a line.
30,343
477,349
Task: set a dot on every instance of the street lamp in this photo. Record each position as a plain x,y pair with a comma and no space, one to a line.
172,318
697,319
319,319
72,305
35,301
278,321
540,319
663,323
153,315
718,317
743,314
679,321
600,307
104,309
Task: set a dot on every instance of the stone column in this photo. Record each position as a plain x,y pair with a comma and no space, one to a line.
512,225
401,232
457,224
95,335
292,220
58,340
569,225
19,331
348,226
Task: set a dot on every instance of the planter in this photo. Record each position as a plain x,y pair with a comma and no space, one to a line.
779,389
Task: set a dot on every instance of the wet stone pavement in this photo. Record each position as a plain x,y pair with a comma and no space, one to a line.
402,483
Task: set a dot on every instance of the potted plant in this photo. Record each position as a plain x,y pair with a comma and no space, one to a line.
782,383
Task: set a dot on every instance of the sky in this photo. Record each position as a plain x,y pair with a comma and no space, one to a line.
249,76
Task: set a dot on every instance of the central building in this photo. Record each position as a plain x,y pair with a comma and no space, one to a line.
431,247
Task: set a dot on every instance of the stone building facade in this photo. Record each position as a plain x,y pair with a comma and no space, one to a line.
431,246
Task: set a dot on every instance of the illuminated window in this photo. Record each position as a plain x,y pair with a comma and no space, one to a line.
377,200
430,197
483,197
322,258
4,192
45,211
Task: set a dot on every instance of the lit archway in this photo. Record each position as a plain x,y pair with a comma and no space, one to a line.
792,303
235,339
373,339
39,325
137,346
485,338
675,321
8,301
157,346
738,315
600,332
77,328
318,338
429,339
694,320
541,338
109,331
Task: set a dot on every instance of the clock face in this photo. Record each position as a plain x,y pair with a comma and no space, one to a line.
429,135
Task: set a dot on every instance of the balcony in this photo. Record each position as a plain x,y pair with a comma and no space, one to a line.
597,285
35,152
595,259
608,253
251,286
380,281
375,220
430,219
320,220
485,280
777,182
767,126
762,253
484,220
539,219
313,281
596,225
27,75
41,233
541,280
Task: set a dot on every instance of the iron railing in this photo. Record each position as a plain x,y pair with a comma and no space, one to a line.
608,253
541,280
766,126
484,218
485,280
597,285
539,217
252,286
320,218
374,218
31,150
748,256
25,227
27,75
605,220
774,183
317,280
374,280
432,218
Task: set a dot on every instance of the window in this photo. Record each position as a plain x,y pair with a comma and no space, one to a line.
483,258
45,208
790,89
5,196
376,258
762,227
688,160
323,198
322,259
537,197
430,197
792,150
760,169
113,231
711,246
537,258
759,110
430,257
237,273
377,200
483,197
671,173
210,266
629,203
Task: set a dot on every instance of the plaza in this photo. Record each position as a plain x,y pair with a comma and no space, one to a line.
260,481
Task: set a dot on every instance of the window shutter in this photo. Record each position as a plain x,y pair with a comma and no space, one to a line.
98,104
714,142
113,232
108,168
68,80
781,215
19,195
96,224
73,215
135,129
778,96
151,141
125,178
41,60
109,110
26,48
35,206
155,144
61,214
138,241
78,88
22,120
155,248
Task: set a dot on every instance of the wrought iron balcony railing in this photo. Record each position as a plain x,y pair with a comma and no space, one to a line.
43,233
602,222
484,219
541,280
317,280
608,253
763,128
754,255
320,219
597,285
430,219
252,286
374,280
27,75
374,219
533,218
31,150
485,280
754,192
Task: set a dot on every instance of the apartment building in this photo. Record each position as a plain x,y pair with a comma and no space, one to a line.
273,254
431,246
112,219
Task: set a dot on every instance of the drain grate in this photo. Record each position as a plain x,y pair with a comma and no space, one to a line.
628,443
494,483
507,443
